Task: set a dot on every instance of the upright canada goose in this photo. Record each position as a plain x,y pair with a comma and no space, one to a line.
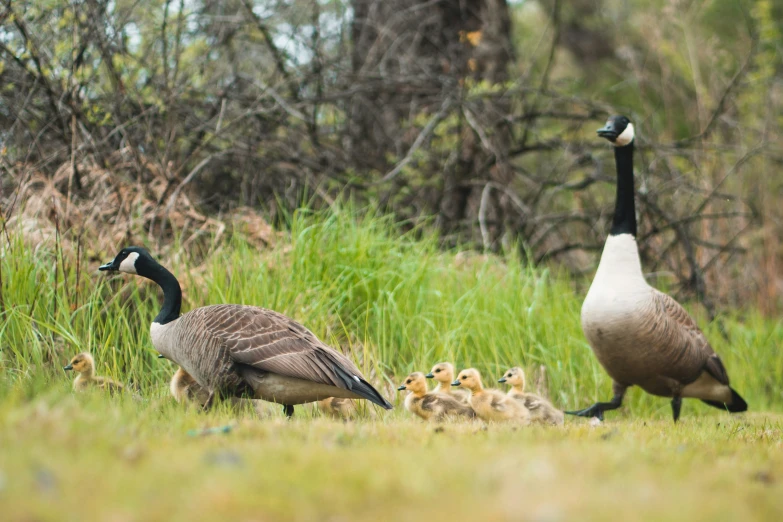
231,350
640,335
84,365
491,405
541,410
443,373
432,405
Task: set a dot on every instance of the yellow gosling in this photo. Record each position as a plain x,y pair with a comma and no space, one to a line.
337,407
84,365
541,410
491,405
185,389
443,373
431,406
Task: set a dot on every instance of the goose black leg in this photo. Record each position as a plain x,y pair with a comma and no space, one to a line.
288,410
676,404
598,409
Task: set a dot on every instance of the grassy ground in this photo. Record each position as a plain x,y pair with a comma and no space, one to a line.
396,304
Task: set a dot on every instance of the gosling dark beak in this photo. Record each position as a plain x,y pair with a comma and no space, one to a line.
161,356
502,379
69,367
455,383
608,131
401,388
430,376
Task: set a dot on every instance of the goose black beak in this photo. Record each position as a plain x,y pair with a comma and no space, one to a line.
455,383
502,379
69,367
401,388
608,131
161,356
430,376
108,267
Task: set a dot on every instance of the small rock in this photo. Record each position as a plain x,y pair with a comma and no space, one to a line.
224,458
439,429
765,477
45,480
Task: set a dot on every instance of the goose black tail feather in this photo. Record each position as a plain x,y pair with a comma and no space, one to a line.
362,388
737,405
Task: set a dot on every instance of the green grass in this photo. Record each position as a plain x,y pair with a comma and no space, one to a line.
395,304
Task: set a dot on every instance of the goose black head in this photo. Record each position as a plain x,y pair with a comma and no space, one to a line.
131,260
618,130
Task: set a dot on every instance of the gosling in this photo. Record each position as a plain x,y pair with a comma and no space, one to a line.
491,405
186,390
541,410
443,373
84,365
433,405
337,407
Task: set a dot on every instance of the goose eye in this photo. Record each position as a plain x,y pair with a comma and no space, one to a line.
408,381
437,371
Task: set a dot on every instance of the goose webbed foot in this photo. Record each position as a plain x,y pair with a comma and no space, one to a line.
676,405
288,409
598,409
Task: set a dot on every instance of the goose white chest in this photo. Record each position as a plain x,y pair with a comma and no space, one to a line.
613,310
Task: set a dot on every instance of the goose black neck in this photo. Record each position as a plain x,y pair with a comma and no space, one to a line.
172,293
624,221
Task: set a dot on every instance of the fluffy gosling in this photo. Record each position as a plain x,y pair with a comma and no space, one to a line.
84,365
432,405
443,373
489,404
541,410
185,389
337,407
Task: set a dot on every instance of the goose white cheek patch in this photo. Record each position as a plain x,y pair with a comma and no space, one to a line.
625,137
128,264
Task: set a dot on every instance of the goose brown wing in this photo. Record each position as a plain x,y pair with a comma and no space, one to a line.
272,342
687,346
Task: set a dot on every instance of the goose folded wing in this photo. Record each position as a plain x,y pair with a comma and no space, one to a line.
274,343
688,342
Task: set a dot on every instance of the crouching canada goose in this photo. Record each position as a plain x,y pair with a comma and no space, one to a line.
84,365
642,336
432,405
541,410
233,350
491,405
443,373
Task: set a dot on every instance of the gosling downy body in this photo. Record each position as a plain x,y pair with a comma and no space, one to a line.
185,389
640,335
337,408
491,405
443,373
84,365
431,405
541,410
238,350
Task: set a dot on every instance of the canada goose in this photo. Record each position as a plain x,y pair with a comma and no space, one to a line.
432,405
337,407
84,365
443,373
231,350
541,410
491,405
640,335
